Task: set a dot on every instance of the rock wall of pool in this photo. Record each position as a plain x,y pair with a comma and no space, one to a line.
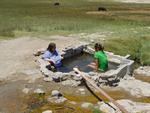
80,56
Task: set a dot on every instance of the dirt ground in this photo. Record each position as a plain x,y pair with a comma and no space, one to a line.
19,70
17,60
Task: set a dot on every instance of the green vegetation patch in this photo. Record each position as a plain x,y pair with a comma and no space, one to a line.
138,48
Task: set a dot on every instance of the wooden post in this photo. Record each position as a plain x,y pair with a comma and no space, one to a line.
101,91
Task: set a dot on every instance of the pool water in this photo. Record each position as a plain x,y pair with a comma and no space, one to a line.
81,61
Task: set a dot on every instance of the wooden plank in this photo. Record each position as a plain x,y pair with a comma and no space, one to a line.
101,91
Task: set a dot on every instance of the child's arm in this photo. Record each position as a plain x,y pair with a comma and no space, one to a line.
46,55
96,66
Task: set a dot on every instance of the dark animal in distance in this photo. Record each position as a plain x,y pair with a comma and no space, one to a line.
102,9
56,4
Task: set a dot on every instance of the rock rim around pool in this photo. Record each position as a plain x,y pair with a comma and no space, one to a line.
123,67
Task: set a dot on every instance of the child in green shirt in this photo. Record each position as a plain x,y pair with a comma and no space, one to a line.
101,61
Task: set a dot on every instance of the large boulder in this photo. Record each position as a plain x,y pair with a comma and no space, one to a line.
135,87
135,107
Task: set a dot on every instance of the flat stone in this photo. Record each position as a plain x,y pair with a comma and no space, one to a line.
106,109
48,79
39,91
94,78
26,90
72,102
87,105
135,107
47,111
77,78
56,100
81,89
135,87
92,73
143,71
56,93
58,77
71,83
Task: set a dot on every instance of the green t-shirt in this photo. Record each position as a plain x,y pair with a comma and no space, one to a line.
102,60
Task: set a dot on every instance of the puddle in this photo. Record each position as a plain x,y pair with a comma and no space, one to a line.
81,61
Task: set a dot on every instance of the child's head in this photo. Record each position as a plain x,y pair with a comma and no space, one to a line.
98,47
51,47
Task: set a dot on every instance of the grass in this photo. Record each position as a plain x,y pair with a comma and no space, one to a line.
38,104
41,17
137,47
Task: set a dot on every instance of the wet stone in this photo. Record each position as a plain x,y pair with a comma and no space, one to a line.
56,99
56,93
72,102
48,79
87,105
58,77
77,78
47,111
71,83
143,71
26,90
39,91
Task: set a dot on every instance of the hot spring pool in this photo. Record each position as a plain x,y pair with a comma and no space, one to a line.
81,61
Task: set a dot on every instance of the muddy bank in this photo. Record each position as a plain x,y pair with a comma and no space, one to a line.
12,96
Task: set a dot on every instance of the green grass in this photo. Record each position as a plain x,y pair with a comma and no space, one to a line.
138,48
41,18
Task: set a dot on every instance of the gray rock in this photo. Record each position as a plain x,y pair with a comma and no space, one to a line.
72,102
58,77
82,91
47,111
71,83
26,90
94,78
143,71
39,91
135,87
56,100
77,78
87,105
92,73
135,107
56,93
106,109
48,79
